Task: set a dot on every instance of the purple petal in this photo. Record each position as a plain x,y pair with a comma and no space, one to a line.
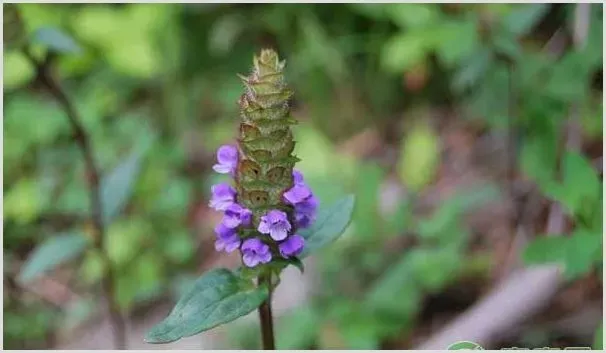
265,258
223,196
297,177
263,226
254,245
292,246
297,194
233,245
222,168
250,259
224,232
279,233
227,155
303,220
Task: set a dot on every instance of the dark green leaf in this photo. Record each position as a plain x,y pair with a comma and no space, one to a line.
471,72
218,297
117,187
329,225
523,18
56,40
54,251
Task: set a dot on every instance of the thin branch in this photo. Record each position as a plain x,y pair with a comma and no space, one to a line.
45,77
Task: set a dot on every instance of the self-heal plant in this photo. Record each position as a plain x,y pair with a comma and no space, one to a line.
270,214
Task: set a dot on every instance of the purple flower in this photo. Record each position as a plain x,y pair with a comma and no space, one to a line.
255,252
305,202
223,196
227,156
297,194
292,246
236,215
298,177
227,238
275,223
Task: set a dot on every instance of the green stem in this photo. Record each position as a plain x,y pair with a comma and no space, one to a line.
265,315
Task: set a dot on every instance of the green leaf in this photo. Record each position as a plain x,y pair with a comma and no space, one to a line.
54,251
117,187
473,70
56,40
412,15
538,157
218,297
456,41
329,225
403,51
579,190
577,253
18,70
524,17
419,157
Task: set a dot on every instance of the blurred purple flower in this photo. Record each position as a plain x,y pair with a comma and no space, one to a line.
292,246
227,156
304,201
223,195
297,177
236,215
255,252
297,194
227,238
275,223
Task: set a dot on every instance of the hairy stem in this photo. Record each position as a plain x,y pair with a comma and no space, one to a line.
82,139
265,315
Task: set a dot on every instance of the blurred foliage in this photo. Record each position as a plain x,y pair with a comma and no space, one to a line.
156,88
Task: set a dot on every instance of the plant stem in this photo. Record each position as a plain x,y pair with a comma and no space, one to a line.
265,315
80,135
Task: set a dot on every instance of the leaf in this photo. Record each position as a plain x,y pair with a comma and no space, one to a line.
419,157
18,70
580,186
54,251
538,157
117,187
403,51
456,41
412,15
56,40
218,297
523,18
473,70
329,225
576,253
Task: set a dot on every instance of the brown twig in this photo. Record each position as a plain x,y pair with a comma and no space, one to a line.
45,77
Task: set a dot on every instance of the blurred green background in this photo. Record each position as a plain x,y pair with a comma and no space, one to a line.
442,119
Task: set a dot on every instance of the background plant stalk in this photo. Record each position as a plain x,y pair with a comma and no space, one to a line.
93,176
